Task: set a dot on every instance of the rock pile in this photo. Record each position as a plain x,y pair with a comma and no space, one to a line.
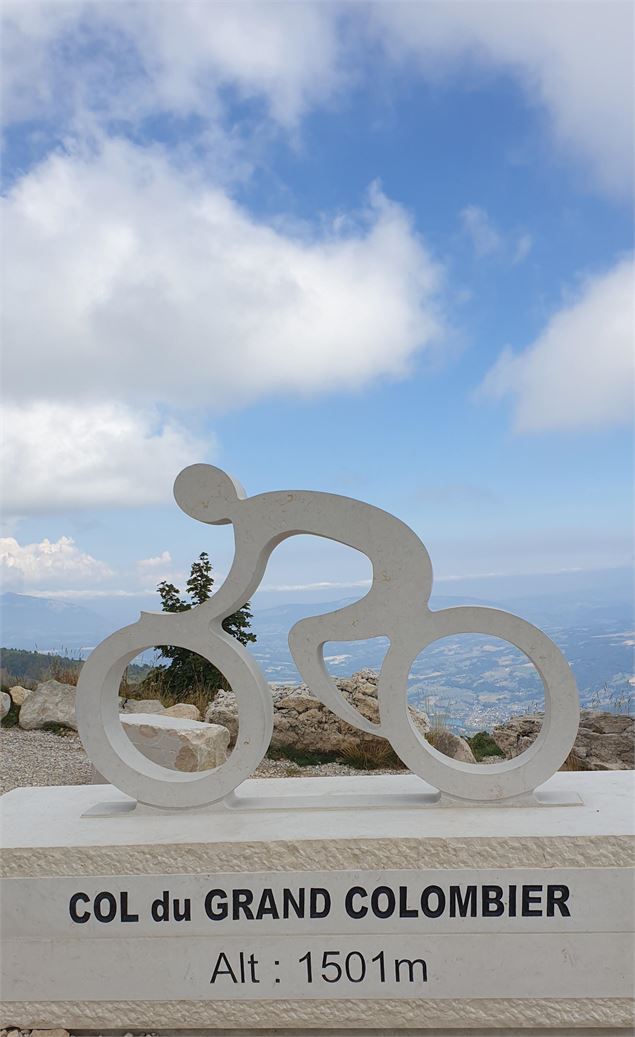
54,703
605,741
173,737
303,724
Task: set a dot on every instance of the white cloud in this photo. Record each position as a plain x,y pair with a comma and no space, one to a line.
130,279
158,562
487,240
579,371
162,567
57,456
320,585
88,593
572,59
58,561
480,230
178,56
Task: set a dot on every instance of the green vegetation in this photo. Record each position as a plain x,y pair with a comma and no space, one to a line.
302,757
31,668
58,729
363,758
11,719
190,674
483,745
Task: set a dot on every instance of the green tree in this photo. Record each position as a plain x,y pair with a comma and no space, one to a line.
188,672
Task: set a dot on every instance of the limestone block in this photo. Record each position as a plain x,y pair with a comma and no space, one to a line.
605,741
452,745
303,723
184,745
19,694
51,703
141,706
5,704
184,710
517,734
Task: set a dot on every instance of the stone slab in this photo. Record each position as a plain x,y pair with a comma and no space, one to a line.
174,742
484,970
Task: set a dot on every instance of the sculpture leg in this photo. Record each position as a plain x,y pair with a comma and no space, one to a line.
306,641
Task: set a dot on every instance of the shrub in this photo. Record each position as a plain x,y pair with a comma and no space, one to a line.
11,719
188,673
483,745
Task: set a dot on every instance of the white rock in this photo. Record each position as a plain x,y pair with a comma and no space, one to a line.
141,706
605,741
184,745
5,704
50,703
184,710
302,723
453,746
19,694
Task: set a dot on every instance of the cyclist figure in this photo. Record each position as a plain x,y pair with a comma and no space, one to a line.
402,571
396,606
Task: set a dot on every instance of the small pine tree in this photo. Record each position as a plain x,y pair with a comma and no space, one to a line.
188,672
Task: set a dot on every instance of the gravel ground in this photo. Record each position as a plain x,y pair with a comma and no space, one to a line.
41,758
44,758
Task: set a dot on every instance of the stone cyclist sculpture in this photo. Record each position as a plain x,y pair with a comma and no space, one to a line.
396,606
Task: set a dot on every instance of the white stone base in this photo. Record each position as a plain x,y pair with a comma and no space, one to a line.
545,974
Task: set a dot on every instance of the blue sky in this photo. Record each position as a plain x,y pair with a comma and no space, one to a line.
383,250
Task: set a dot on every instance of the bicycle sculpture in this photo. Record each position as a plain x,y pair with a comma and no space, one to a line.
396,606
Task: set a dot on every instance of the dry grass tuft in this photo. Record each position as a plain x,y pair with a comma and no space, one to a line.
65,670
573,763
370,756
154,687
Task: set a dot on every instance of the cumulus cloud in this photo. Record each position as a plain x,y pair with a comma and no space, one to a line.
150,284
157,562
55,562
159,567
178,57
57,456
579,371
573,60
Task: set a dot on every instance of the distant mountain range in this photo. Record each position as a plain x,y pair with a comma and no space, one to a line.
476,680
49,624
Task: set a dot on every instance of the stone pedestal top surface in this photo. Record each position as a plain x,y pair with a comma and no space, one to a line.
344,808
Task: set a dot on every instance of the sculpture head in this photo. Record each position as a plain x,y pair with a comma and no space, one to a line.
208,494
